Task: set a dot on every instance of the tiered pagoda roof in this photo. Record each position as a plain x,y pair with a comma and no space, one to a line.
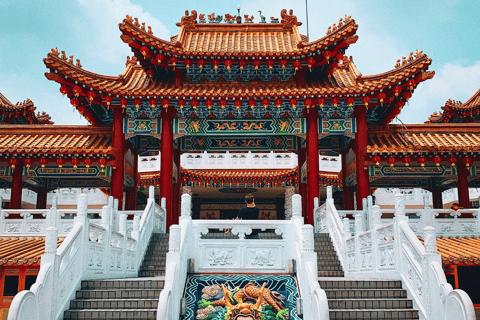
21,113
424,138
458,112
220,63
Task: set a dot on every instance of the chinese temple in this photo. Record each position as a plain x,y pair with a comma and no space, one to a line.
244,92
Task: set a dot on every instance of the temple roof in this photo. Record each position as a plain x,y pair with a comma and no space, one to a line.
21,113
232,39
459,250
424,138
21,251
36,139
457,112
135,82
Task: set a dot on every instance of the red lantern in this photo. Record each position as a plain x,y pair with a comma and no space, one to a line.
270,64
187,63
28,162
400,104
42,162
322,101
223,103
452,160
278,102
137,102
366,100
165,103
293,103
411,84
60,162
74,102
242,64
283,64
265,103
182,103
467,161
194,104
91,95
252,103
381,96
87,162
12,163
338,56
153,102
333,65
391,161
327,54
350,101
395,112
209,103
310,63
201,64
160,57
215,64
150,73
256,64
297,65
422,161
173,61
437,160
377,160
108,100
407,95
75,162
123,102
335,101
308,103
144,51
64,90
77,90
406,161
102,162
237,104
228,64
397,90
329,72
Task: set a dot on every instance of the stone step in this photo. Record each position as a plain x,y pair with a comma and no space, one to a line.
330,268
151,273
122,284
110,314
114,304
366,293
345,283
119,294
331,274
334,304
404,314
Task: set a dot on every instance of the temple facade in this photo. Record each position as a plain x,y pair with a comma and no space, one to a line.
221,110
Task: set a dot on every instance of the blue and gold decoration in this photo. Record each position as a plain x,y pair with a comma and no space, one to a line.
193,143
205,297
337,126
142,126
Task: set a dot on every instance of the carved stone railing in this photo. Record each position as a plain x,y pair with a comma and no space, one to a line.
149,163
393,251
89,251
191,248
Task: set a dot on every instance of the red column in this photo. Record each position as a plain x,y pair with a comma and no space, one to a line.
361,140
348,203
166,166
176,187
42,197
302,188
17,186
437,197
312,162
462,185
118,141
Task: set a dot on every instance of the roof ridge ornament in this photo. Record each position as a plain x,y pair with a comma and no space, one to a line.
189,20
289,20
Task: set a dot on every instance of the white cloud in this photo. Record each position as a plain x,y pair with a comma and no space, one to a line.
99,35
452,81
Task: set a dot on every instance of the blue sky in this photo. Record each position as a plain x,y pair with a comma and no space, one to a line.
446,30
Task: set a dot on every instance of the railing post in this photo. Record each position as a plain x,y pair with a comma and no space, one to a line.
106,223
358,223
315,215
136,227
430,243
297,206
151,192
186,207
358,230
346,228
122,224
376,216
307,238
114,212
368,213
399,216
82,211
329,193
